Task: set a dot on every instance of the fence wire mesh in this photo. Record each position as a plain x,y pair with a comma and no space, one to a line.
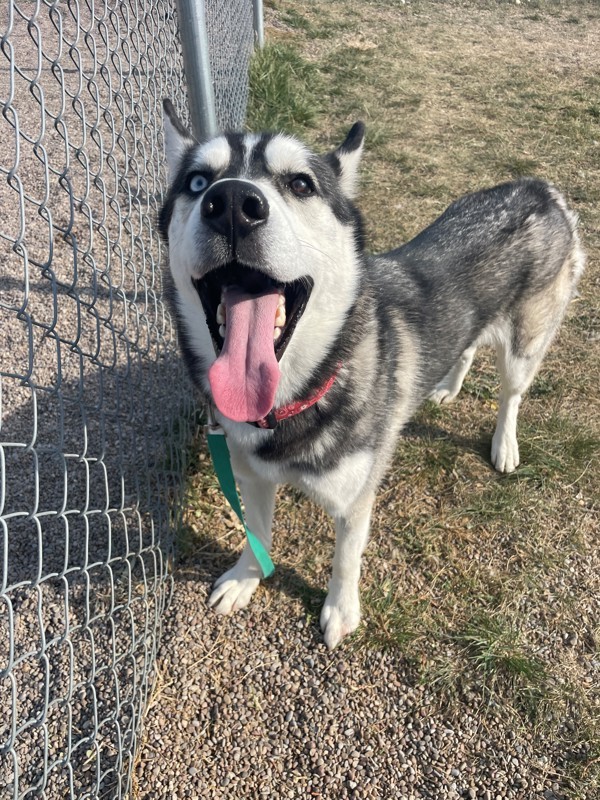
230,34
95,412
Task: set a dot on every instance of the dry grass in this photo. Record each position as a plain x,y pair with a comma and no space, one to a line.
489,585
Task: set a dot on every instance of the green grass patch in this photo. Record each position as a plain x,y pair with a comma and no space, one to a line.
285,91
392,622
494,647
559,448
517,167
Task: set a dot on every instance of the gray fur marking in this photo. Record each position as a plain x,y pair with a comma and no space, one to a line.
498,267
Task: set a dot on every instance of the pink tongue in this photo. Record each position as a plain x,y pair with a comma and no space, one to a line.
244,378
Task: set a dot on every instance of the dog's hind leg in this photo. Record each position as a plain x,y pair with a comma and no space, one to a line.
235,587
523,344
341,611
516,374
450,386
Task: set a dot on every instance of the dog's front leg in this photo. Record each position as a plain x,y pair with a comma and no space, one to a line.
341,612
235,587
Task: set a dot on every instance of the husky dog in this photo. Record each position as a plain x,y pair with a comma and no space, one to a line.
314,354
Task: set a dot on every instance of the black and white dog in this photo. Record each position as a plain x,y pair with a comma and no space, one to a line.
314,355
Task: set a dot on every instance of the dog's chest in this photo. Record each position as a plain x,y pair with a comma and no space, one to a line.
335,489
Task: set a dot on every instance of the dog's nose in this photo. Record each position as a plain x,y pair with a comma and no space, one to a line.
234,208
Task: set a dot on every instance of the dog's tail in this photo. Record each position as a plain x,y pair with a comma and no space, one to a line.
576,257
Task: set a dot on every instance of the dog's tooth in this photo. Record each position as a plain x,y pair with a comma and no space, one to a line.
221,313
222,330
276,334
281,301
280,317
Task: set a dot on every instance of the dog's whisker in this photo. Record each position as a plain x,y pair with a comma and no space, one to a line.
309,246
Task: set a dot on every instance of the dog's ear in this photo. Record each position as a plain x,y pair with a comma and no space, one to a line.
346,158
177,137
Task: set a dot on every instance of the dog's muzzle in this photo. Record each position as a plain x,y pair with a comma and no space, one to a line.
234,209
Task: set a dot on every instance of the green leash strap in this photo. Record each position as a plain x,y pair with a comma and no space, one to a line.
217,444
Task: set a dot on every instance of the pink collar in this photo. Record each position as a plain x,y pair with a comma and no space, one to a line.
297,407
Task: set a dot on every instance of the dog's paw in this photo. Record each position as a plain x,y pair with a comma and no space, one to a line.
505,453
340,616
233,590
442,395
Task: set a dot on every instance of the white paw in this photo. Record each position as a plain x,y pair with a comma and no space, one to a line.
443,394
233,589
505,453
339,617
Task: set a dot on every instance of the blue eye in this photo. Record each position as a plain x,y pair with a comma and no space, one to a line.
197,183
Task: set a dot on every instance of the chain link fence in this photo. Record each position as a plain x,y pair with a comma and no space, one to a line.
230,34
95,412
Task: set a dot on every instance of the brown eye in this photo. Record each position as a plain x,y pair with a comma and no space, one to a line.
301,185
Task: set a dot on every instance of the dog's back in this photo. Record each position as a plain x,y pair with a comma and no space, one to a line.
499,267
500,262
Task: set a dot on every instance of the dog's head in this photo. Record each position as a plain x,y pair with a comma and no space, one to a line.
264,246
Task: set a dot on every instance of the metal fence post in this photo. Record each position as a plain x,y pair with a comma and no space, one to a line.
259,29
194,45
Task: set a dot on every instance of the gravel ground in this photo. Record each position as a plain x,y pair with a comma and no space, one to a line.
254,705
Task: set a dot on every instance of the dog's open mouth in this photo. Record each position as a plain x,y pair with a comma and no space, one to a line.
251,318
214,287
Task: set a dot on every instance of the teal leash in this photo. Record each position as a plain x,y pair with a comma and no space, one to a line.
219,451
